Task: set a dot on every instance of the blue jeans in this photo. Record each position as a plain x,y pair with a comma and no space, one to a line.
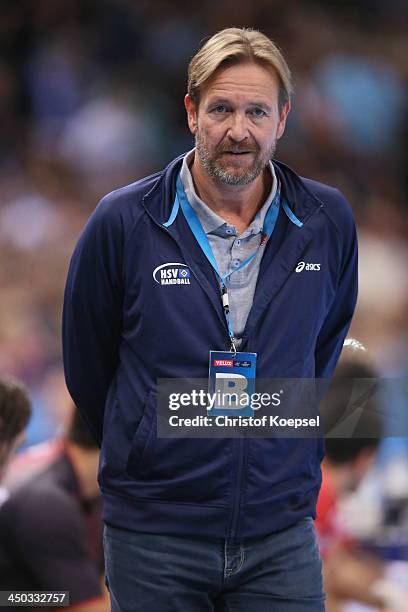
280,572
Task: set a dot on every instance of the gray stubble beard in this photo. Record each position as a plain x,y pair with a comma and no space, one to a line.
209,163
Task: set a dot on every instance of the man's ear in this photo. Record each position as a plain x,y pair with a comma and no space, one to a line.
191,113
282,121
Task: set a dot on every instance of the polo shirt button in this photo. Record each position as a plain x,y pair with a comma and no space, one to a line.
229,231
236,263
238,242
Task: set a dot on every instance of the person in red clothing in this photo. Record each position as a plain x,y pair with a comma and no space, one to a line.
348,572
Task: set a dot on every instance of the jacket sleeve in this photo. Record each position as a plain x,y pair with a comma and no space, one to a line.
335,327
92,313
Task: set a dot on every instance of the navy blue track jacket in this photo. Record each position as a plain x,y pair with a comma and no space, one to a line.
122,331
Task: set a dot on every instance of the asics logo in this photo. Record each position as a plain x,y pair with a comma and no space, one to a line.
310,267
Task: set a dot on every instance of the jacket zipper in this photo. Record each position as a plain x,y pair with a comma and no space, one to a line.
240,447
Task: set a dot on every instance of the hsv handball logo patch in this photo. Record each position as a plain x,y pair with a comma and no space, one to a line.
172,274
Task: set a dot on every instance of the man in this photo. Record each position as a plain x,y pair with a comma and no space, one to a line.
15,412
270,260
51,529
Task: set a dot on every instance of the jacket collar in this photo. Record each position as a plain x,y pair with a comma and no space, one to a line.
159,200
301,201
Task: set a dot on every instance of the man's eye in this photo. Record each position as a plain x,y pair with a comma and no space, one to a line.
257,112
220,108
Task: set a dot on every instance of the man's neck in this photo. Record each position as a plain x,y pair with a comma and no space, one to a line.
238,205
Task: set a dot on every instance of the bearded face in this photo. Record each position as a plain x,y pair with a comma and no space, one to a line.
237,122
233,163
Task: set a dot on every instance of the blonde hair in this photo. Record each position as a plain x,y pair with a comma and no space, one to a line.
236,45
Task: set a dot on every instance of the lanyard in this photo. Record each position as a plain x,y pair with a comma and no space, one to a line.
201,237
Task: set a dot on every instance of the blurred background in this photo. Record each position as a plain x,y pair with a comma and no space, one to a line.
91,98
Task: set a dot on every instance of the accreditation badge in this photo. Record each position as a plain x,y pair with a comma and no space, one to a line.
231,383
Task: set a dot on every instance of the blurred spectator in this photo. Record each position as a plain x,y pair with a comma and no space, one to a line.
350,573
50,527
15,413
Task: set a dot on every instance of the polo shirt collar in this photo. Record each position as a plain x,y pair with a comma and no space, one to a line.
211,222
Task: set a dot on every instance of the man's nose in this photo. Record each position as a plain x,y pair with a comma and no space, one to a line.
238,127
